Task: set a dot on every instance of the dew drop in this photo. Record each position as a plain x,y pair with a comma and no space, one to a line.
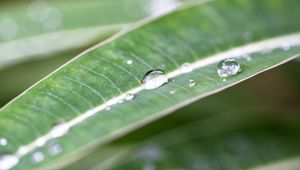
129,62
55,149
3,142
37,157
172,92
108,108
286,47
224,80
154,79
59,130
129,96
40,142
7,161
228,67
186,68
191,83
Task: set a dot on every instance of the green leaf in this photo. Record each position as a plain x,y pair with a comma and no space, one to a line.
202,34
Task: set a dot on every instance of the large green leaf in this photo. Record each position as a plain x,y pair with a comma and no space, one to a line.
202,35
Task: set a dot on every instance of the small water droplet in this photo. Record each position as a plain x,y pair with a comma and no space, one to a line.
7,161
224,80
186,68
154,79
129,96
55,149
191,83
22,150
37,157
286,47
172,92
59,130
108,108
3,142
40,142
129,62
228,67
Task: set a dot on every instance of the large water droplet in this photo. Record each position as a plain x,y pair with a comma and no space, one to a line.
3,142
186,67
59,130
7,161
129,96
55,149
154,79
191,83
228,67
37,157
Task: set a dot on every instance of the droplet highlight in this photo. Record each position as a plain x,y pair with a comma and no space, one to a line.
37,157
129,62
3,141
154,79
59,130
191,83
129,96
7,161
186,68
55,149
228,67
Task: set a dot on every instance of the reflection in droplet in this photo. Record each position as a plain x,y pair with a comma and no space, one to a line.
191,83
129,96
37,157
186,68
154,79
228,67
129,62
55,149
7,161
59,130
3,142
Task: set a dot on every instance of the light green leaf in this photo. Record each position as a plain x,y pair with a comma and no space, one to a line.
79,93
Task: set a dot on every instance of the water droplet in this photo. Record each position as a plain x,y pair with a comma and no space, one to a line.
228,67
129,62
40,142
23,150
154,79
129,96
172,91
55,149
224,80
186,68
286,47
108,108
191,83
3,142
59,130
7,161
37,157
